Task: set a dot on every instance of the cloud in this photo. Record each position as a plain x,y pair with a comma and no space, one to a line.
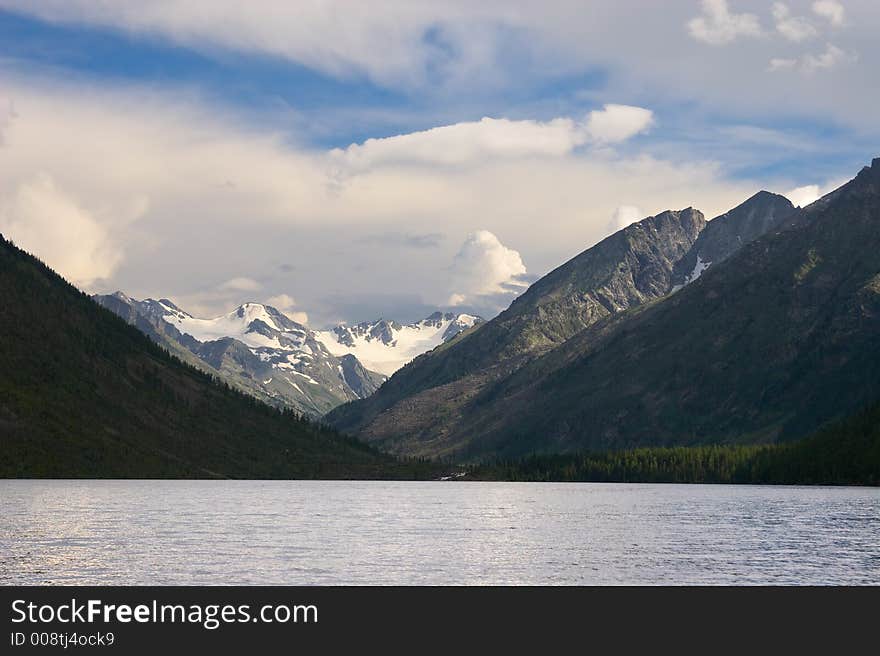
803,196
287,305
458,59
47,221
241,285
718,26
616,123
832,57
831,10
793,28
467,142
485,267
339,38
146,165
7,115
623,216
812,63
781,64
495,138
406,240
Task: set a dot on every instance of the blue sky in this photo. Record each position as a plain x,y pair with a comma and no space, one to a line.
334,158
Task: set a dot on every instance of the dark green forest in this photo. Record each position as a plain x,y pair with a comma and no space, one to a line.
845,453
85,395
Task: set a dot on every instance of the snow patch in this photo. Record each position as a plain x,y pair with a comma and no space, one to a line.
383,353
699,267
308,378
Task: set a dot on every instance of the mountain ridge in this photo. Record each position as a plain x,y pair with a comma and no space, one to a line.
630,266
726,234
545,403
770,345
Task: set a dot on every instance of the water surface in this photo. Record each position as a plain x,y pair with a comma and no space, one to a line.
322,532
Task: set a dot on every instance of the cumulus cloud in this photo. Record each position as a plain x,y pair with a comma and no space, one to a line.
616,123
287,305
718,26
485,267
806,194
623,216
241,285
803,196
45,220
793,28
831,10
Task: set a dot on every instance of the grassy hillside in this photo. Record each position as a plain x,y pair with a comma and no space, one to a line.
83,394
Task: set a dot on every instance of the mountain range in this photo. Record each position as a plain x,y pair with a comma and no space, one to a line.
260,351
760,325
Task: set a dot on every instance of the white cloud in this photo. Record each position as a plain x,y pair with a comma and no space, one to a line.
718,26
287,305
45,220
467,142
288,222
793,28
488,138
338,38
623,216
616,123
831,10
803,196
485,267
455,54
241,285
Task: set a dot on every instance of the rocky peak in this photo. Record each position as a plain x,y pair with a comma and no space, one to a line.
727,233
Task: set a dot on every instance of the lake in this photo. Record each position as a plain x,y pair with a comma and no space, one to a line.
323,532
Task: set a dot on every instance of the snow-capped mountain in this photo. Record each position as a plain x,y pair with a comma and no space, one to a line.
255,348
263,352
385,346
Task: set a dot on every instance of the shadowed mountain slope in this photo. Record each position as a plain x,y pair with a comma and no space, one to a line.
83,394
779,339
775,334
